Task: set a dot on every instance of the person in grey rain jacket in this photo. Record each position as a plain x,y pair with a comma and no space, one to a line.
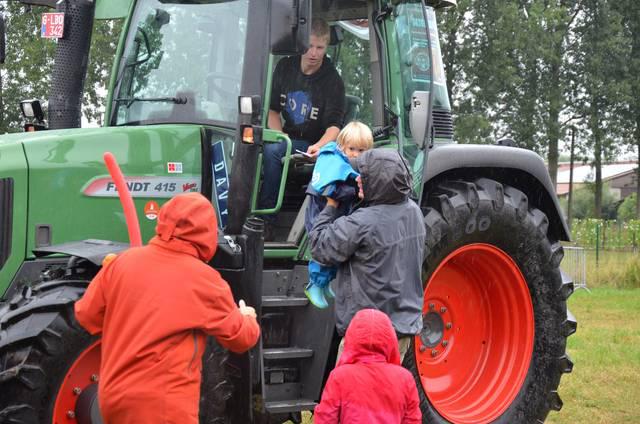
378,249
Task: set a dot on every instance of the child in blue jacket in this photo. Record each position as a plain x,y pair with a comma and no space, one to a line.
333,177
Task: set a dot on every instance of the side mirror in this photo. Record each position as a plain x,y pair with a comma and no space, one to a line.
290,26
2,40
419,116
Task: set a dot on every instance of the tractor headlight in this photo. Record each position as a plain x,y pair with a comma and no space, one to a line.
27,109
32,109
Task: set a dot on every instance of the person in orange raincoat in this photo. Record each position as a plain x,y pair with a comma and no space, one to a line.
154,306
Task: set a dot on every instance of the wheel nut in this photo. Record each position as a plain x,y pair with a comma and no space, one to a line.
434,352
445,343
77,390
423,348
449,325
94,377
432,306
71,414
443,310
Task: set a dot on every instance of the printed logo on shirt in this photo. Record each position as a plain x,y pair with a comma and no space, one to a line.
299,107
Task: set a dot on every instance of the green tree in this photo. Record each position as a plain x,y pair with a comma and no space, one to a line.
630,122
627,209
584,200
552,25
455,45
493,54
104,42
352,61
530,69
26,73
493,77
600,63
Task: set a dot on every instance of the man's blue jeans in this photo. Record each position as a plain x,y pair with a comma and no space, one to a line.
272,166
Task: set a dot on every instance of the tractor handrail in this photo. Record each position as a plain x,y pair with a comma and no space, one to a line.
272,137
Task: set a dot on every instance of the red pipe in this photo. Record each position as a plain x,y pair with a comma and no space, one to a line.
130,214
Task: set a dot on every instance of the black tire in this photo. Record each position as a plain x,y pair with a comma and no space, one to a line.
460,213
39,340
216,388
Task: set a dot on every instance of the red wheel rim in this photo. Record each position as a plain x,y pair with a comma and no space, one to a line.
474,354
82,374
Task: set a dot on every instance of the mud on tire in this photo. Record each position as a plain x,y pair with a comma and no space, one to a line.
39,340
461,216
216,388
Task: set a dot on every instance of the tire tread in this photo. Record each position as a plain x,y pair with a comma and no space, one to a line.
453,208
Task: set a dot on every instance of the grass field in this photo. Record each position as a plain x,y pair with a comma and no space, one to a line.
605,384
613,269
604,387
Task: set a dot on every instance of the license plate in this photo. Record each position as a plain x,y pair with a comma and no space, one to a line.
52,25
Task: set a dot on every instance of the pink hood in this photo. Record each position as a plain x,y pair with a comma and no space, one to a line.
370,337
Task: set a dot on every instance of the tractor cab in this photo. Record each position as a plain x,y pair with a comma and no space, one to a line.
167,74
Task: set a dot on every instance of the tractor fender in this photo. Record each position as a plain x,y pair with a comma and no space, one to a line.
229,253
44,301
48,301
92,250
87,254
519,168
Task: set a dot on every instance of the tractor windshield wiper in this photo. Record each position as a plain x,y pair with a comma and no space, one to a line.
131,100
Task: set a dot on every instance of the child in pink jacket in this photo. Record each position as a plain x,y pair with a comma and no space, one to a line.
369,385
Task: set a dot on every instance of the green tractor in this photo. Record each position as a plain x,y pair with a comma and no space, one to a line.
186,111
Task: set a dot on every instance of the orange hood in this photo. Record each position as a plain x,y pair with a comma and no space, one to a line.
187,223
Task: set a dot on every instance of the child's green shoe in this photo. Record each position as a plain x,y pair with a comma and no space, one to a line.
328,292
316,296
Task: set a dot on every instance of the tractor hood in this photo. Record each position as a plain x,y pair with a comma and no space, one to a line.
71,195
13,207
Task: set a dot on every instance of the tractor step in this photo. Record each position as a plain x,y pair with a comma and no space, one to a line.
287,353
280,245
285,406
278,301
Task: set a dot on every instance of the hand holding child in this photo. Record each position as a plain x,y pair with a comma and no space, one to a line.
332,202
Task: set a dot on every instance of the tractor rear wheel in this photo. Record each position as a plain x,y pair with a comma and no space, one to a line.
495,316
49,365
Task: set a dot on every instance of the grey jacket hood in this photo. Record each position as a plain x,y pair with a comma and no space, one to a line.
385,175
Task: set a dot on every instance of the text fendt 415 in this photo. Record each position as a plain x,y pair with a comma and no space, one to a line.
187,109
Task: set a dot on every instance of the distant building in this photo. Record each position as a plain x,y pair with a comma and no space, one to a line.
620,177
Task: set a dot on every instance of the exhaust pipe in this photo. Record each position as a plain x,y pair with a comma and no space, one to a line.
71,61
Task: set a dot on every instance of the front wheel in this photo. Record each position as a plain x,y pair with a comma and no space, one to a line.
48,363
495,315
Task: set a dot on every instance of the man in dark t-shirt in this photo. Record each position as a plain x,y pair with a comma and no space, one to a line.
308,93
